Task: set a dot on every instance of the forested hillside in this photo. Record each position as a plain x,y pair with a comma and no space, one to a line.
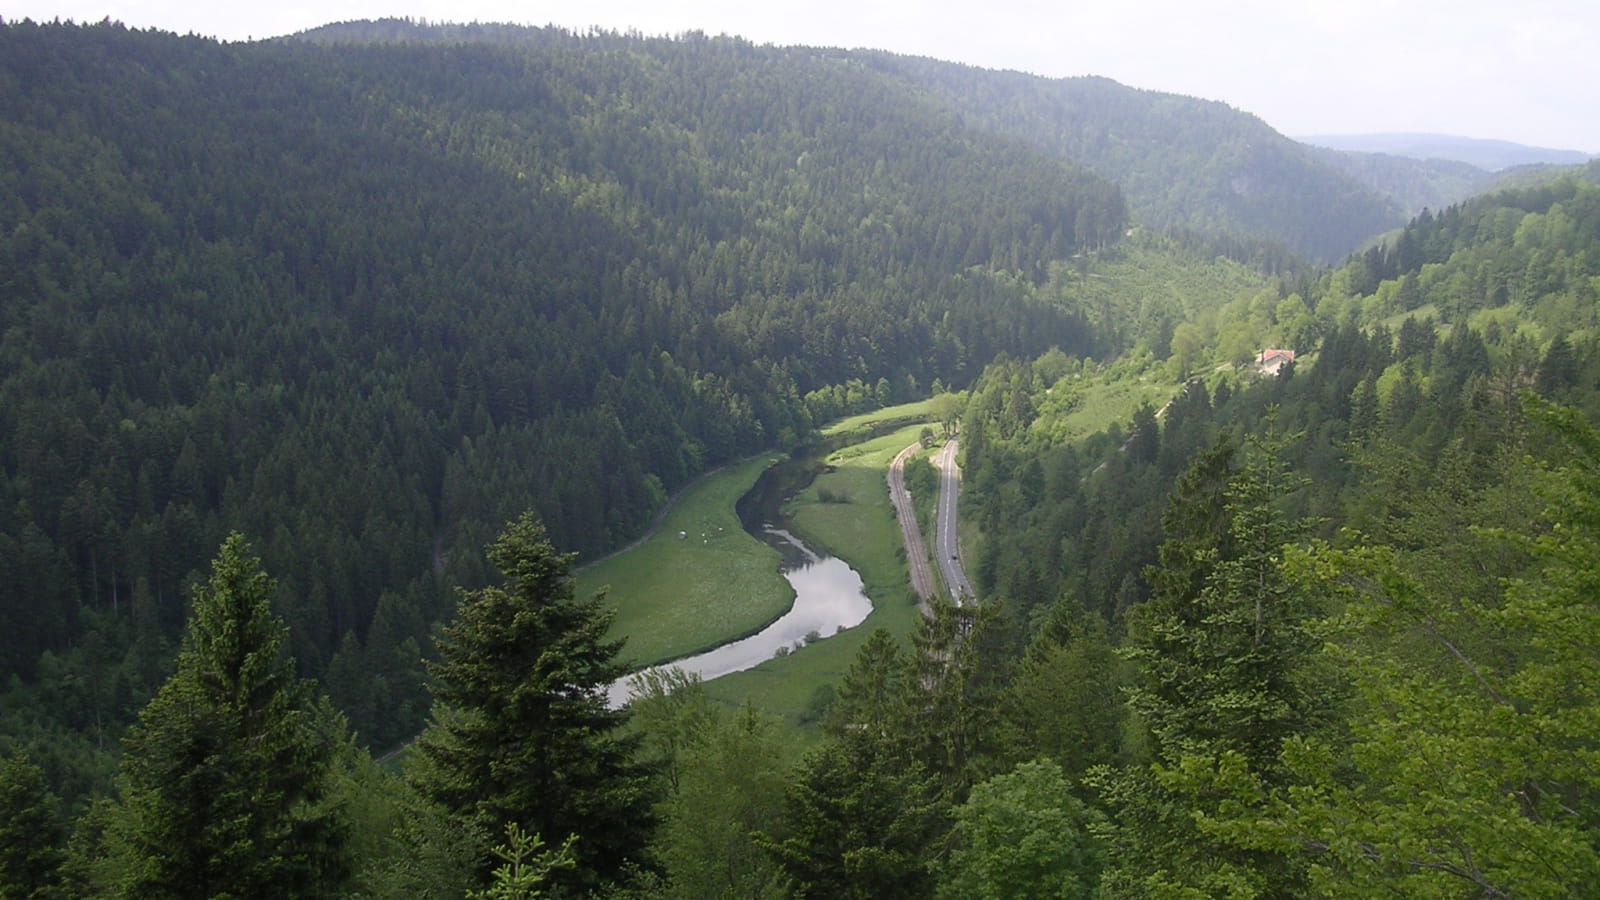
290,332
1316,579
1414,184
367,302
1183,162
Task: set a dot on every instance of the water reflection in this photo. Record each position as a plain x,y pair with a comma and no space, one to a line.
828,598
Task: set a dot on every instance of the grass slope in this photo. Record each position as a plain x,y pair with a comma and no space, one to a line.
678,597
863,532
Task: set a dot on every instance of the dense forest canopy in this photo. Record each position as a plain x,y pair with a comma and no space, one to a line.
1434,502
365,302
1183,162
353,300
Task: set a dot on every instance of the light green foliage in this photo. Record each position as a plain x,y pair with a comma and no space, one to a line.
669,711
946,410
1471,767
225,773
409,846
400,843
735,771
1021,835
31,836
526,864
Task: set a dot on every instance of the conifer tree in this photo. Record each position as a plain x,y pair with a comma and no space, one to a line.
860,824
31,836
521,732
225,772
1223,648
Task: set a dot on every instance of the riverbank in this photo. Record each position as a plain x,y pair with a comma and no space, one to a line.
699,581
845,511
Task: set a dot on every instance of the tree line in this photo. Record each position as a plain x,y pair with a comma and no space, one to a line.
365,301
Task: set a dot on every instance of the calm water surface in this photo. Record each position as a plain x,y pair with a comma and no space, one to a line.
829,597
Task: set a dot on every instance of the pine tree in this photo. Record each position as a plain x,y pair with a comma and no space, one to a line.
225,773
521,732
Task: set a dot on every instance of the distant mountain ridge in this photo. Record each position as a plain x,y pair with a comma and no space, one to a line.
1489,155
1184,163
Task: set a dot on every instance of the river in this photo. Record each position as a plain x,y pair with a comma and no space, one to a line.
829,595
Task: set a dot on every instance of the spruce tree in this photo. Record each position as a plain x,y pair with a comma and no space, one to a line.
861,824
225,773
521,731
1223,649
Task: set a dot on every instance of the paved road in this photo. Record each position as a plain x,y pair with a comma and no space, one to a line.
916,550
946,532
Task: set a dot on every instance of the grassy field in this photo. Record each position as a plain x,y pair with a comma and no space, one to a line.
918,410
862,532
678,596
1101,402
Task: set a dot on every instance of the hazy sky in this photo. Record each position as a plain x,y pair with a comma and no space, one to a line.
1519,70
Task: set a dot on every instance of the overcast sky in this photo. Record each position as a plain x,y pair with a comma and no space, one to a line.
1526,71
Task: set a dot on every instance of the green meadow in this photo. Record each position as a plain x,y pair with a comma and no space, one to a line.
858,526
905,412
679,596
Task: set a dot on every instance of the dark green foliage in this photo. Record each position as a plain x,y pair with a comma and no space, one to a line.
871,699
861,822
1183,162
224,776
1220,640
1066,702
1223,650
960,664
521,732
31,835
369,301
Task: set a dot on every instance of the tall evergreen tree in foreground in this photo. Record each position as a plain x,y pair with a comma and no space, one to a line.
521,732
1224,651
224,775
